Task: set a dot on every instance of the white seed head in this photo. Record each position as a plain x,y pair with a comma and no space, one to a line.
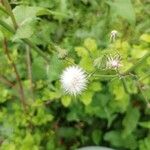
74,80
113,62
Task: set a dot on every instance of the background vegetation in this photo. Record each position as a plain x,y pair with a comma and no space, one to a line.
38,39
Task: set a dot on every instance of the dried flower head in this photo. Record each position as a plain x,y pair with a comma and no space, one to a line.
113,35
113,62
74,80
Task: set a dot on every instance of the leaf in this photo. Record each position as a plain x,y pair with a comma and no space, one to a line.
96,136
25,14
124,9
83,63
145,37
55,68
24,31
130,121
81,51
116,139
66,100
145,124
86,97
38,69
90,44
144,144
95,86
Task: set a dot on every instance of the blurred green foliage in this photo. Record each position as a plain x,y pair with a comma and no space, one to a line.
69,32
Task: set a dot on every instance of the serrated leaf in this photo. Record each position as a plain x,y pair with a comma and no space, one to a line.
24,31
25,14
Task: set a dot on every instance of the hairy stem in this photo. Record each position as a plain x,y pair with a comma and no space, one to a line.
21,91
29,68
9,10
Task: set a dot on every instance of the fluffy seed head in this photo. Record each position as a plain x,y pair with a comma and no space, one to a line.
73,80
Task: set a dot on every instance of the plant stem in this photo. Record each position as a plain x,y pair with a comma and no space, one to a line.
34,47
6,81
122,77
27,41
138,63
3,10
9,10
21,91
105,76
29,68
7,27
146,76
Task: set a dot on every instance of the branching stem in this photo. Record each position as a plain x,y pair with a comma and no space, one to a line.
21,91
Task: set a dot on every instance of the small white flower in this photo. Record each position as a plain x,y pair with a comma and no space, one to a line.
113,35
113,62
74,80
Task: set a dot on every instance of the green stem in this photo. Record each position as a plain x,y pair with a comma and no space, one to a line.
7,27
34,47
3,10
122,77
27,41
146,76
105,76
138,63
9,10
125,85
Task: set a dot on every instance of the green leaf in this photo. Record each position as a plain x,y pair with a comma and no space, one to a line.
86,97
124,9
145,37
90,44
116,139
54,69
66,100
83,63
24,31
145,124
95,86
144,144
81,51
130,121
38,69
96,136
24,14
